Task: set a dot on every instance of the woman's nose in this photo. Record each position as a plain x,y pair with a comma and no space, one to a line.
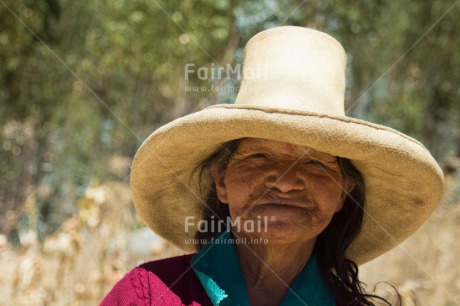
285,178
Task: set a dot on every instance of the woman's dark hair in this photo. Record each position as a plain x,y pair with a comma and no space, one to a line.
340,273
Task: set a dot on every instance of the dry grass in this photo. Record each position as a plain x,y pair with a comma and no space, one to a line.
81,261
91,251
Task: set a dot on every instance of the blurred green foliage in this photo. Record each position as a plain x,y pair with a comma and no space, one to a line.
82,82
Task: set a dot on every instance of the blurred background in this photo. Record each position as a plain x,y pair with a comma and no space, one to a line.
83,83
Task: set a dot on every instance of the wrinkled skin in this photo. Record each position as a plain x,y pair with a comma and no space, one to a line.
299,190
298,187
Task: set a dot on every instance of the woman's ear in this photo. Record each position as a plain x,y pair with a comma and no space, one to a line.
219,180
348,185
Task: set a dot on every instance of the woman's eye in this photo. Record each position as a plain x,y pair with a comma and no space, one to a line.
258,155
316,163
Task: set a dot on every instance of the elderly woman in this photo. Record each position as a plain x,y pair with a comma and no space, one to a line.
305,193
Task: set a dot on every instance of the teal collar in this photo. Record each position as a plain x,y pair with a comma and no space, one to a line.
218,269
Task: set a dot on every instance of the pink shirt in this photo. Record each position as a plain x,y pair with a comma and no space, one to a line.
170,281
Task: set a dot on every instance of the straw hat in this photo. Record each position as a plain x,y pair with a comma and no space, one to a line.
292,91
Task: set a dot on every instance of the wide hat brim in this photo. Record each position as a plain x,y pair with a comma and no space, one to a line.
403,182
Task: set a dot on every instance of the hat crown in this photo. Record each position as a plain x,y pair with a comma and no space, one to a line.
294,68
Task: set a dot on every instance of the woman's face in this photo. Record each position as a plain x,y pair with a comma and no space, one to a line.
296,189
